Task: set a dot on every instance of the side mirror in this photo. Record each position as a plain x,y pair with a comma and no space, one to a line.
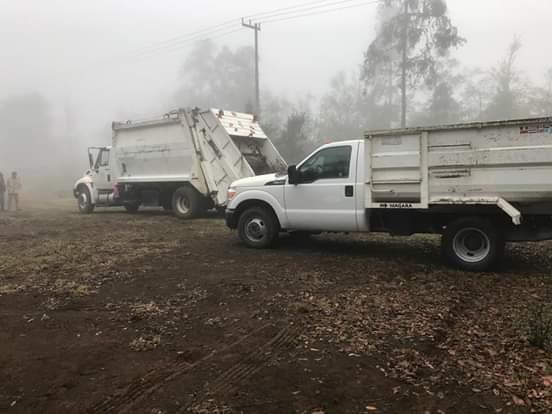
292,175
90,160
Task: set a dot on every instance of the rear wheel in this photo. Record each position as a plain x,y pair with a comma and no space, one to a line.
186,203
84,201
473,244
258,228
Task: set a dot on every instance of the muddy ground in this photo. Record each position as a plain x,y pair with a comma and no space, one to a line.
120,313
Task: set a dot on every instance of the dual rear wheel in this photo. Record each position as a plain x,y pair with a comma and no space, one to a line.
187,203
474,244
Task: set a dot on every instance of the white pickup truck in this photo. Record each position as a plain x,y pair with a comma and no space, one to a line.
183,161
479,185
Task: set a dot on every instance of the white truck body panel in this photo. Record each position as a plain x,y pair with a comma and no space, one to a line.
161,150
418,167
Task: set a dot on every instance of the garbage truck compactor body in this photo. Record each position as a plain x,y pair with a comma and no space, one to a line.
184,162
479,185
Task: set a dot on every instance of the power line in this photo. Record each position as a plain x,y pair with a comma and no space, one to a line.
286,13
225,25
327,3
179,46
176,45
307,9
282,9
190,36
280,19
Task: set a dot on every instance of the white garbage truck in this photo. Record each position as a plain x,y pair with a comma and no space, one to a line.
184,162
478,185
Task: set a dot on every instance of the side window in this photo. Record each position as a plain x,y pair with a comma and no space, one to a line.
103,158
328,163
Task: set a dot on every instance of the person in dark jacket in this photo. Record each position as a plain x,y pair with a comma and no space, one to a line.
2,191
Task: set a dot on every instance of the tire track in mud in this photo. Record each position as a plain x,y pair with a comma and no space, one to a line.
140,388
230,379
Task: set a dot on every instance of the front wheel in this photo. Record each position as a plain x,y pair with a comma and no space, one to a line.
84,200
258,228
473,244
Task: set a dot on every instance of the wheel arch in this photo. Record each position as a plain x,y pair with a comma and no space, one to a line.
246,204
88,186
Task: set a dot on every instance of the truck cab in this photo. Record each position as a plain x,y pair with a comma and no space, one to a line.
97,184
325,192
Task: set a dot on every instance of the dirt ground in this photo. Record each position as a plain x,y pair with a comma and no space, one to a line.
120,313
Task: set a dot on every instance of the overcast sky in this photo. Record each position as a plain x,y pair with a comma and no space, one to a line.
66,48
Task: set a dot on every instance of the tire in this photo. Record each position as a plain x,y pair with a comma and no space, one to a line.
258,227
186,203
84,201
473,243
132,208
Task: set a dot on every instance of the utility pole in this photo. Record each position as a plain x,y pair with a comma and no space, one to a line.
257,28
404,58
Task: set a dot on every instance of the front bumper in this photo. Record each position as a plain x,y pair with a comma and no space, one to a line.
231,218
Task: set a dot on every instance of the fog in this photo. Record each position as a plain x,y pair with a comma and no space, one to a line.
70,67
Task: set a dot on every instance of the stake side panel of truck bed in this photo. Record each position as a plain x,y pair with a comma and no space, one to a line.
467,163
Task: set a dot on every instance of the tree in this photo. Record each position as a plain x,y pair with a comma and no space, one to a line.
340,112
413,37
213,77
443,105
275,111
345,111
475,94
293,143
508,86
541,97
25,131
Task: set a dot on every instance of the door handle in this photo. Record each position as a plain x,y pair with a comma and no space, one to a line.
349,191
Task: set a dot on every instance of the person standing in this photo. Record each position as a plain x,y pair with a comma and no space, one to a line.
2,191
14,187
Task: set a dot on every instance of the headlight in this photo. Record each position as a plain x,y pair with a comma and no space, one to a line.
231,194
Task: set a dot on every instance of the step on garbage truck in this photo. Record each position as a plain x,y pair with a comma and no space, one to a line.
184,162
479,185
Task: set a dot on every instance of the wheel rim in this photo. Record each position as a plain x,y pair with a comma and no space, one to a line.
256,229
83,200
183,205
471,245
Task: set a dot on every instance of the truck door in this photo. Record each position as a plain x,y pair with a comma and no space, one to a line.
324,198
102,171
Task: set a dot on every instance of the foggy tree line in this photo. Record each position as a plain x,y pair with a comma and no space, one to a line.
407,75
38,141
